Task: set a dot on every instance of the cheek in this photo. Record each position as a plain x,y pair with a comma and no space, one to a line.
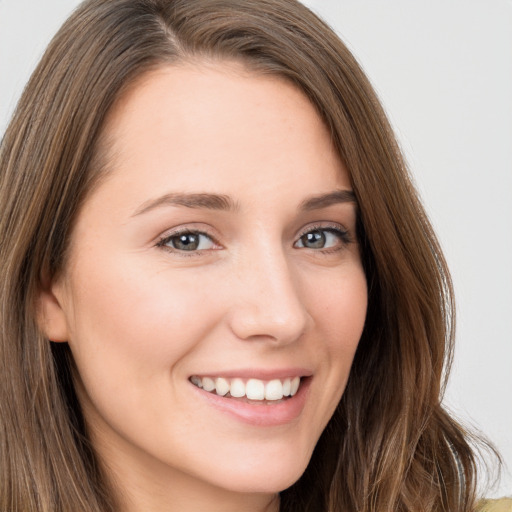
339,312
133,322
339,308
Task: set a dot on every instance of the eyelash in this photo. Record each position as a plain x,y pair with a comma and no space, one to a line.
334,229
162,243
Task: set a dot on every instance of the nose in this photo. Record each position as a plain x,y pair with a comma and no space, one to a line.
267,303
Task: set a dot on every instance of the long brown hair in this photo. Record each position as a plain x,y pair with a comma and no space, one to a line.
390,445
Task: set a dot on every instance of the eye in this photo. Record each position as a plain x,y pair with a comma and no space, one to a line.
187,241
323,238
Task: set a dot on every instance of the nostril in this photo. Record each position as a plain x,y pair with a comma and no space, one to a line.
267,305
255,324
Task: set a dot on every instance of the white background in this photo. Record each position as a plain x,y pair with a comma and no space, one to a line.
443,69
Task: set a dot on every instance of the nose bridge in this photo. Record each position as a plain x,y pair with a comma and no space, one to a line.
268,303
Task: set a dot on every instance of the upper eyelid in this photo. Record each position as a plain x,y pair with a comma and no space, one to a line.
336,226
170,233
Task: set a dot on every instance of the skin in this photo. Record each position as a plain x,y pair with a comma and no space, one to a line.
141,317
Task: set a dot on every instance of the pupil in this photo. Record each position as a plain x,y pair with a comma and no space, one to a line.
315,240
187,242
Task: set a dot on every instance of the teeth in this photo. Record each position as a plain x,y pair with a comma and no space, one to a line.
274,390
196,381
253,389
294,385
237,388
208,384
221,386
286,387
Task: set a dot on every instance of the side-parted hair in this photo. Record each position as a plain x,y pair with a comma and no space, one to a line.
390,445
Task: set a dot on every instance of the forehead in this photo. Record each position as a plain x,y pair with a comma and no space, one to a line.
218,125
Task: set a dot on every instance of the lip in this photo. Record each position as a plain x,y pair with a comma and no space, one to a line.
259,414
261,374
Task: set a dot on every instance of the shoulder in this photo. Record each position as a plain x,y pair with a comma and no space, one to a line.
503,505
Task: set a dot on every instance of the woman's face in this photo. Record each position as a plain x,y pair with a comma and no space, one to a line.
220,250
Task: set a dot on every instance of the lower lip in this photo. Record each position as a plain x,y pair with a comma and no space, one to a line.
262,415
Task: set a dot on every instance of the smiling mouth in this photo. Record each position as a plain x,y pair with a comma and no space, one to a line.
250,390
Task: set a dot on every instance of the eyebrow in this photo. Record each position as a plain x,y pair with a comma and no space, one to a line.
326,200
225,203
200,201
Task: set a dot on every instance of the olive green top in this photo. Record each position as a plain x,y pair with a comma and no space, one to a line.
503,505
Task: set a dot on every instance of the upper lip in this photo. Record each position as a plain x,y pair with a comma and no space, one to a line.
257,373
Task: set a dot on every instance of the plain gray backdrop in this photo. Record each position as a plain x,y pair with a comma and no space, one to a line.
443,69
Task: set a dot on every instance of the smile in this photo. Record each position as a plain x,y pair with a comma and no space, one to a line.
252,389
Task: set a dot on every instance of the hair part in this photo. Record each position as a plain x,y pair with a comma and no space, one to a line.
390,444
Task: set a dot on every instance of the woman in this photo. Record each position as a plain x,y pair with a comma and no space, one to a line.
219,291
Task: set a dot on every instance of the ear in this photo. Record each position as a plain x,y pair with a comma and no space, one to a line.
51,316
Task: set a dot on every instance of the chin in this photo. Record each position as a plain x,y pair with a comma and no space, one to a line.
270,477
